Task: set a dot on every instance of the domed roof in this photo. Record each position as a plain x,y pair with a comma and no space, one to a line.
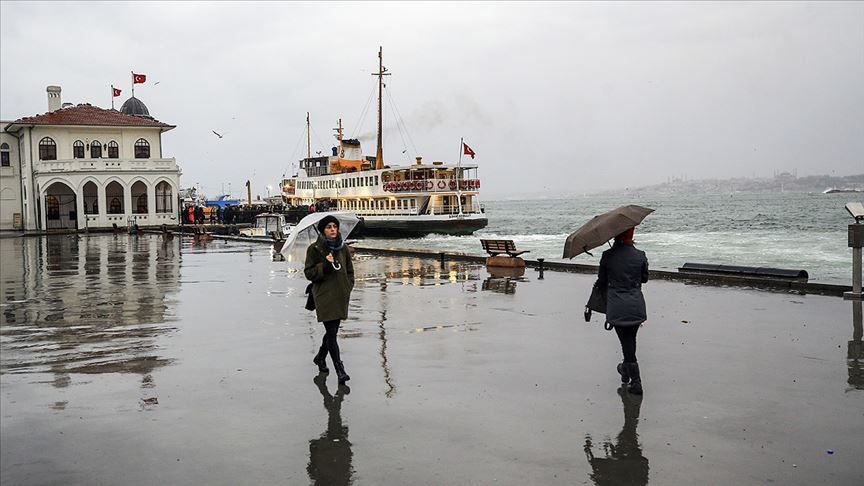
134,106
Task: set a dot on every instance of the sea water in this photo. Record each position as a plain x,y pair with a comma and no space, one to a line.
781,230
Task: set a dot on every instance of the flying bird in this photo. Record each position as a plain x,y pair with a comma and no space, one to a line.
217,134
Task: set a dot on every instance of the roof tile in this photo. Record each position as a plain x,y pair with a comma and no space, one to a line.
87,114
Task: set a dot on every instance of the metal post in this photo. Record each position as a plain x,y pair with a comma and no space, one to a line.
856,241
856,270
540,268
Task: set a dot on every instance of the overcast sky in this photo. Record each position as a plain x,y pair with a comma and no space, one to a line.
553,97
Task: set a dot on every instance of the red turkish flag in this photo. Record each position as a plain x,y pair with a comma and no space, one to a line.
139,78
116,92
468,150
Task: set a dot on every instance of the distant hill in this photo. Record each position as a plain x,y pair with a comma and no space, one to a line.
780,183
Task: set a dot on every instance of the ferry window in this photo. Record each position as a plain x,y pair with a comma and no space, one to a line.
47,149
78,149
376,180
95,149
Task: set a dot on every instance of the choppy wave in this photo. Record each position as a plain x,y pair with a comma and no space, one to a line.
806,231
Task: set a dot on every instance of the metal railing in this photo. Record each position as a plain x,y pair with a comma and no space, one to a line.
431,185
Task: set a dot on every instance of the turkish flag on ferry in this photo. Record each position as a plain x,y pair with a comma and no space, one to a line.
139,78
468,150
116,92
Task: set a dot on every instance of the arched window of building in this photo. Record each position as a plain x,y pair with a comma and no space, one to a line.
114,195
5,160
52,207
113,150
91,198
142,149
139,197
163,197
47,149
78,149
95,149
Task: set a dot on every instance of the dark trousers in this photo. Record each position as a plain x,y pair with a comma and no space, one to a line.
627,337
329,343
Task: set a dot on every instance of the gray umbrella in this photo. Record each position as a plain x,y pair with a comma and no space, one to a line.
603,228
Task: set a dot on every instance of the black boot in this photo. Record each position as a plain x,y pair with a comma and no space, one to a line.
625,376
340,372
635,380
320,359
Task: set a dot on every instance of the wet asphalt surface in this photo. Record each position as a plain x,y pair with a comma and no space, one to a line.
129,360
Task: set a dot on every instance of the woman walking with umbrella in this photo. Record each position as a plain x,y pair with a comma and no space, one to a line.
623,270
328,266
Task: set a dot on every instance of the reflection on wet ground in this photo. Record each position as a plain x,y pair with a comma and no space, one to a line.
623,463
330,454
855,353
86,305
139,361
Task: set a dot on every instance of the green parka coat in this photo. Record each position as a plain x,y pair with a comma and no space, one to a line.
331,289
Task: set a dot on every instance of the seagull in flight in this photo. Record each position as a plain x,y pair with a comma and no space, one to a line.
218,134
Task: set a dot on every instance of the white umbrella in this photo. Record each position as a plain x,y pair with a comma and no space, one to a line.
306,232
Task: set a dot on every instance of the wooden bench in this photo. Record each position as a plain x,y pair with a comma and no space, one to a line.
497,247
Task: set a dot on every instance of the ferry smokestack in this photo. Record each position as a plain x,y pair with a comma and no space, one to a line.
54,102
419,160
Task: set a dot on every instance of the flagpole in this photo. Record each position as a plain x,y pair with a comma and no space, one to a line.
112,96
133,83
458,174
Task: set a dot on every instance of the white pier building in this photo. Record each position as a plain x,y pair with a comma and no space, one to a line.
81,166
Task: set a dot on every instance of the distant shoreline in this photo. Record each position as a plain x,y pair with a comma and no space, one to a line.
784,183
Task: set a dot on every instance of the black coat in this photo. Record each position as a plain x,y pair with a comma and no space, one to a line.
623,270
331,288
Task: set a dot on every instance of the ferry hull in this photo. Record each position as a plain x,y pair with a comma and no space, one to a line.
418,226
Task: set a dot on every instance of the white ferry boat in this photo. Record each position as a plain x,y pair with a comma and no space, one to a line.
410,200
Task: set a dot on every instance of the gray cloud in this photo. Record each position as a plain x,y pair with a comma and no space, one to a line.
570,96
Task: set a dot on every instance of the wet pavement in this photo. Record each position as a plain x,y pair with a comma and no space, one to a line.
129,360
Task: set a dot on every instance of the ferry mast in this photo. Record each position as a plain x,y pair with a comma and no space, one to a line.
382,71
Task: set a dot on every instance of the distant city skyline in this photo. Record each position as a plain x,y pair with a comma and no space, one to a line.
553,97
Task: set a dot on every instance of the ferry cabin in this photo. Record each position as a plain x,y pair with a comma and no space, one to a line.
347,181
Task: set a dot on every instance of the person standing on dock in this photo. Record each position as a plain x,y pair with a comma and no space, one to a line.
623,270
329,268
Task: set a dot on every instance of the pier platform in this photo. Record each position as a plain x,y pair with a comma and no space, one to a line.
131,360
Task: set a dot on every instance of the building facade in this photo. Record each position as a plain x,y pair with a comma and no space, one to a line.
80,167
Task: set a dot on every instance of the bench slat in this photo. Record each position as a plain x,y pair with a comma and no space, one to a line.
496,247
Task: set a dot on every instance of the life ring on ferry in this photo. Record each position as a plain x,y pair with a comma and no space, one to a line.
429,185
404,185
386,186
477,184
452,184
442,184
